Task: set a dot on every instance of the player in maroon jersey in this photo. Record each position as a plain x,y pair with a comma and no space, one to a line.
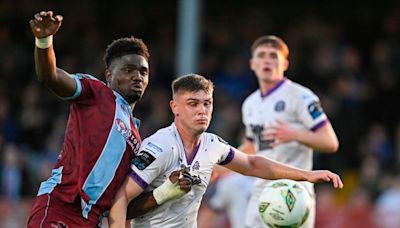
101,135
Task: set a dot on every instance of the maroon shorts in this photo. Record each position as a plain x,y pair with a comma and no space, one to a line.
48,212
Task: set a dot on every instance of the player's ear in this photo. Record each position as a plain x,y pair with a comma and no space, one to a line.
286,65
174,110
251,63
108,75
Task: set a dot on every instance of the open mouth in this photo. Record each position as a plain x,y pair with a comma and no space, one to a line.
267,69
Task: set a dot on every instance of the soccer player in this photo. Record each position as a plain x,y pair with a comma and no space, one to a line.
284,120
101,135
186,144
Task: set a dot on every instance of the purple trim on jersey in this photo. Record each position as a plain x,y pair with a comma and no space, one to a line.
275,87
228,158
194,155
319,125
135,177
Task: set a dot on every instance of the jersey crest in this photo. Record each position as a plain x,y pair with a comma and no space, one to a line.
280,106
196,166
121,127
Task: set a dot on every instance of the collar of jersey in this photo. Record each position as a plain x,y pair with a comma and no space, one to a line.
122,100
274,88
183,156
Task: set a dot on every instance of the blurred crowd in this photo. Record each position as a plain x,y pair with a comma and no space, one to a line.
347,53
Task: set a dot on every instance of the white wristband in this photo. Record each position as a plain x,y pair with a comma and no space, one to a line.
44,43
167,191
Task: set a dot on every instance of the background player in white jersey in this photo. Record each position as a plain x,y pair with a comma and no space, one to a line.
185,143
284,120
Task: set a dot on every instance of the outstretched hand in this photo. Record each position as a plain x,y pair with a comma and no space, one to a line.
318,176
44,24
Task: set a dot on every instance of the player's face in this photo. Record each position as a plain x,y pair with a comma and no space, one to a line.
268,63
129,76
193,110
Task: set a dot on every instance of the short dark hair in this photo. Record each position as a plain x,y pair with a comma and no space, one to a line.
192,83
125,46
272,40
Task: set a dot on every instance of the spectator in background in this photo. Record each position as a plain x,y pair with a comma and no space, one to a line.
11,173
359,210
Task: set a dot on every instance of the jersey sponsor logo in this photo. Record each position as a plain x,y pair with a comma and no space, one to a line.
280,106
130,138
315,109
143,159
153,147
262,144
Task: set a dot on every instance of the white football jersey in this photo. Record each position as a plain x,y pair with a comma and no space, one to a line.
294,104
160,155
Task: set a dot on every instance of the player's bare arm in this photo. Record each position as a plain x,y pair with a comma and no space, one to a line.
128,191
178,184
44,25
324,139
258,166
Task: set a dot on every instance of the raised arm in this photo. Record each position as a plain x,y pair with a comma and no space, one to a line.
44,26
258,166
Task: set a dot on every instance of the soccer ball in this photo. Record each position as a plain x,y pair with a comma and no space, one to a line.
284,203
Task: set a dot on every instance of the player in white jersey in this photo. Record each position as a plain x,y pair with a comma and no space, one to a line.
186,144
284,120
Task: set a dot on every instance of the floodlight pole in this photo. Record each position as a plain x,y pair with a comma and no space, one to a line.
187,43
